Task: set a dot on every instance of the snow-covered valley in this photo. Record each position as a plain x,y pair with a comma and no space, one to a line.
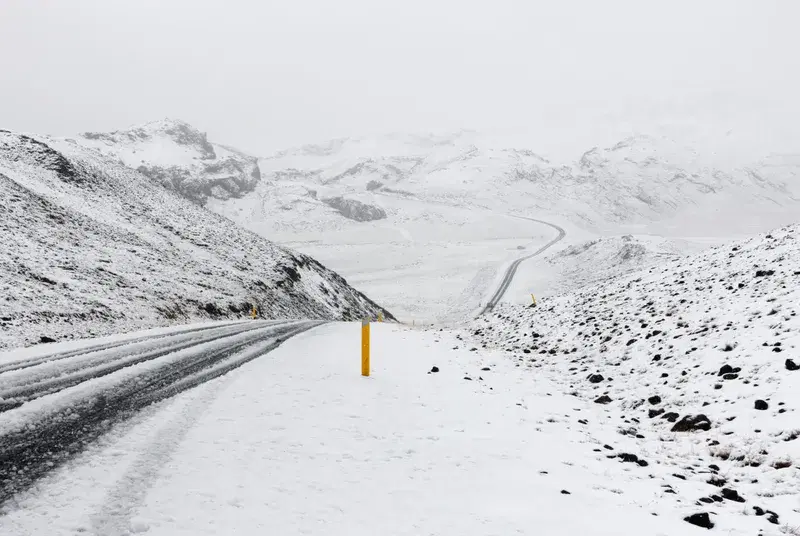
652,390
425,224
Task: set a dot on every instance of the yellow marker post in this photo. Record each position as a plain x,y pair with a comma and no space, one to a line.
253,313
365,347
380,316
533,298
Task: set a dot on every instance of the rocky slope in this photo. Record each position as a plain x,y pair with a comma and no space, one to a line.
694,368
179,157
92,247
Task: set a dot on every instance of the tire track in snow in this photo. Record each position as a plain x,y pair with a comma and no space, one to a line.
33,384
56,356
508,277
64,426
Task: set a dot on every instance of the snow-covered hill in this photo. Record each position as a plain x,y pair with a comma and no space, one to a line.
178,156
694,366
399,214
91,247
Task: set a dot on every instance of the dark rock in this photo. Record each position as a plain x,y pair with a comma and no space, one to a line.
725,369
730,376
565,492
655,399
596,378
45,339
772,517
716,481
670,416
691,423
732,495
435,369
700,520
791,365
759,511
761,405
764,273
605,399
655,412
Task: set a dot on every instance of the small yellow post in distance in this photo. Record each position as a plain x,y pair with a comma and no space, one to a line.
254,312
380,316
365,347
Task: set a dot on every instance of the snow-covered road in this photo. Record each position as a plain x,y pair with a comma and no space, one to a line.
299,443
511,270
52,405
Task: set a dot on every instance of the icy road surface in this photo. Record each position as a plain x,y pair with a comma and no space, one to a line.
298,442
52,405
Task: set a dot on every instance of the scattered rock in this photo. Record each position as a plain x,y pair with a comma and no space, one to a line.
764,273
655,399
670,416
565,492
45,339
435,369
605,399
691,423
701,520
761,405
732,495
596,378
791,365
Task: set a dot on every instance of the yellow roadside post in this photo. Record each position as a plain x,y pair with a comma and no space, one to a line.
253,313
365,347
534,299
380,316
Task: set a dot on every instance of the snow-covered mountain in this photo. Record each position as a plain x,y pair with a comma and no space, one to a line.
397,214
694,369
181,158
92,247
639,179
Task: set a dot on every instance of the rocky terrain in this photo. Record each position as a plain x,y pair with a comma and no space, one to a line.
179,157
693,366
93,247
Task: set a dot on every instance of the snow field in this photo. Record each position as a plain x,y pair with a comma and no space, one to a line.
297,442
695,361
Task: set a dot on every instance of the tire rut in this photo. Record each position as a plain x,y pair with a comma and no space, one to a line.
17,394
32,452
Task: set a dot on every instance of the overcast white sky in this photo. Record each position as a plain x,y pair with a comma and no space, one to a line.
264,75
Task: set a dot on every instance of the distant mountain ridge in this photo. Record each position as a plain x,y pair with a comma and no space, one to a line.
180,157
639,179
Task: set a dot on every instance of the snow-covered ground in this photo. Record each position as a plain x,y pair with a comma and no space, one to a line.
297,442
695,362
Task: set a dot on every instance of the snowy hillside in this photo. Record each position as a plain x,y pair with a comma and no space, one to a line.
180,157
595,260
92,247
694,370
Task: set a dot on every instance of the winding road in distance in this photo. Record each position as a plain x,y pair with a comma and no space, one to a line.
512,269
